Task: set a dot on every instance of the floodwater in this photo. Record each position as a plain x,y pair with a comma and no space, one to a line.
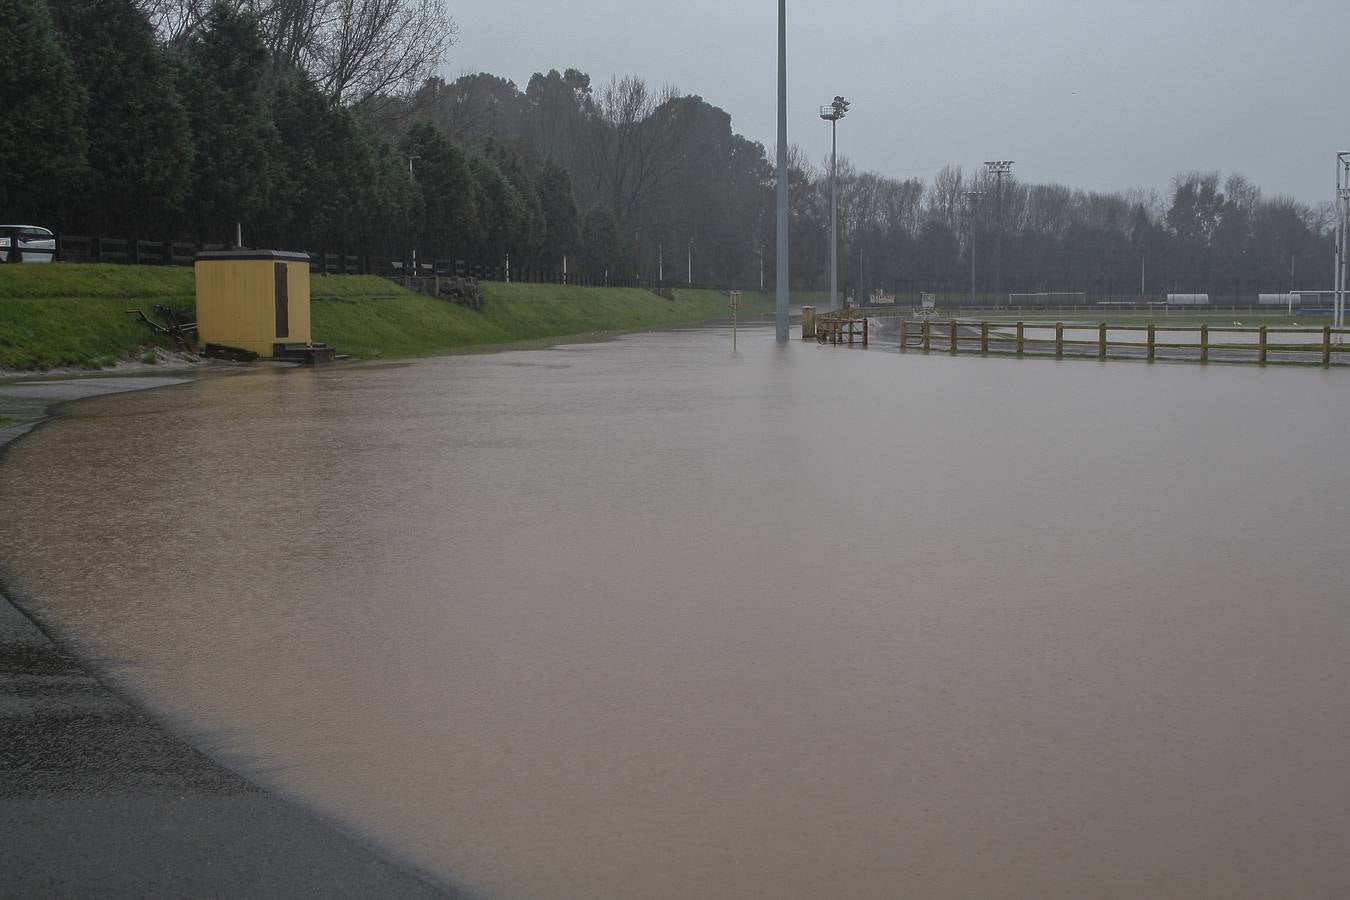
645,618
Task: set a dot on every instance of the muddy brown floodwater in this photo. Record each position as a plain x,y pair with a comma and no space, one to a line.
645,618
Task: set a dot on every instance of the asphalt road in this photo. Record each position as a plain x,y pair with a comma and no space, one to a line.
97,799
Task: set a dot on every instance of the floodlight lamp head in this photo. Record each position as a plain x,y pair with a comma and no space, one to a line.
835,111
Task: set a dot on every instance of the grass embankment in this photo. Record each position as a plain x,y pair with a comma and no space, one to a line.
66,315
75,315
400,324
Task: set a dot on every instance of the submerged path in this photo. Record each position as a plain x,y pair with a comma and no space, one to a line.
99,799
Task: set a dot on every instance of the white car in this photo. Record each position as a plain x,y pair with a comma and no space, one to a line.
34,244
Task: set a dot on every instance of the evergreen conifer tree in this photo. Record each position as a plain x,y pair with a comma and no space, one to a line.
140,150
42,138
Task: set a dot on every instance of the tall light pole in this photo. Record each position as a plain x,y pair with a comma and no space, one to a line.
973,199
837,109
412,177
781,318
998,168
1343,246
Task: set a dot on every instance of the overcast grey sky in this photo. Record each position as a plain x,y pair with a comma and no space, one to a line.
1093,94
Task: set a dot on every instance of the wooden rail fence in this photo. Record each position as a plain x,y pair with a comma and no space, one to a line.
1098,340
842,328
73,248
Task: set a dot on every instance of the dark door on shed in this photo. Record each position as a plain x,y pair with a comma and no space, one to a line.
283,303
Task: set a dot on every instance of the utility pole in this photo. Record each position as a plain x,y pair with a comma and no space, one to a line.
998,168
837,109
781,316
972,200
691,262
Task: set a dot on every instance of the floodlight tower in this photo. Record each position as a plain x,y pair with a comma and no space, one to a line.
999,168
781,312
1343,245
973,199
837,109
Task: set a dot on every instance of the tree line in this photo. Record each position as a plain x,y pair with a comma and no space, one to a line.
160,119
322,123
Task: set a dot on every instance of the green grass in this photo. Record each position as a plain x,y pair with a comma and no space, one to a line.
149,283
88,332
75,315
394,323
6,421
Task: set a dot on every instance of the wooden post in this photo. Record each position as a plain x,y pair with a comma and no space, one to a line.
1204,343
1059,340
864,325
1021,343
1152,341
984,337
927,336
954,340
1101,341
904,334
1326,345
1263,345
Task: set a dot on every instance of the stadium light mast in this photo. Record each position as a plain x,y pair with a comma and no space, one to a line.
1343,207
999,168
837,109
781,316
973,199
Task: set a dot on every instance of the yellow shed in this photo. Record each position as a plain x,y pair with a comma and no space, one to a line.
255,300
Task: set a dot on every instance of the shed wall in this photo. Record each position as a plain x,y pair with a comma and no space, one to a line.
236,304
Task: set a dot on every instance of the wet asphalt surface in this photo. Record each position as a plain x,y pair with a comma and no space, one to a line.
98,799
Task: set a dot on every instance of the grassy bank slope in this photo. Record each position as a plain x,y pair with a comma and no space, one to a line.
75,315
376,319
67,315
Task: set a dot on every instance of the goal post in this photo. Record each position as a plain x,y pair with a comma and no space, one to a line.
1062,298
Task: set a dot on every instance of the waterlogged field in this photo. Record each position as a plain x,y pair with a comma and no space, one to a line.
647,618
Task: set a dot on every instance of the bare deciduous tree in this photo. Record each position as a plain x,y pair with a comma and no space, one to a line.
175,20
355,49
365,48
634,144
